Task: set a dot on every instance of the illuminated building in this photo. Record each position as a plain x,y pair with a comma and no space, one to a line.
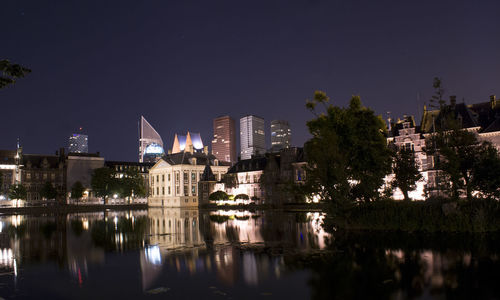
252,137
244,178
191,142
173,180
78,143
150,142
224,142
281,135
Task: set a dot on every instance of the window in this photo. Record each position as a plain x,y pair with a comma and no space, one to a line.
177,190
177,176
169,190
186,177
168,177
157,178
193,190
193,177
163,190
163,178
157,190
186,190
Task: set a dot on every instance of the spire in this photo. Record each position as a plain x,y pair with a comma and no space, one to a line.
176,148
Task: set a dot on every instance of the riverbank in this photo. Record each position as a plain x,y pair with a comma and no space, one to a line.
57,209
476,216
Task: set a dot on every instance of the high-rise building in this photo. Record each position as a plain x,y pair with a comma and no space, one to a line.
252,136
281,135
78,143
150,142
224,142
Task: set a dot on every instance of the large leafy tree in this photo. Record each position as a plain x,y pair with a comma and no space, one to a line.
132,184
486,172
348,155
103,182
17,192
10,72
406,173
77,190
457,152
48,191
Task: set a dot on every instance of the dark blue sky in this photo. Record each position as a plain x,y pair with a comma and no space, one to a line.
182,63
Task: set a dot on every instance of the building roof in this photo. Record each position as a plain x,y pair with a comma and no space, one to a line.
485,115
40,161
186,158
249,165
207,175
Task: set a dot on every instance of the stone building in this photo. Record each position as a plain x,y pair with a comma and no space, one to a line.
173,180
38,169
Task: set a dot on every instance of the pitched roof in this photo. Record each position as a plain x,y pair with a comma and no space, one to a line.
249,165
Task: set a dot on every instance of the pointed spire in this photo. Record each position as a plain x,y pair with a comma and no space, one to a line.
189,143
176,148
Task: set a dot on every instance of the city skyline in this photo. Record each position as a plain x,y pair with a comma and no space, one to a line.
222,61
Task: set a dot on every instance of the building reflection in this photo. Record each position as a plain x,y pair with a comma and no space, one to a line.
232,244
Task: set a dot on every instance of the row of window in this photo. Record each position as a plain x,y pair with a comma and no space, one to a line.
177,190
185,177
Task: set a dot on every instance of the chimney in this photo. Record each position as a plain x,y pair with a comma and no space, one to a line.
453,100
191,149
493,101
205,150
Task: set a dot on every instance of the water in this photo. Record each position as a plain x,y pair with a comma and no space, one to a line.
189,254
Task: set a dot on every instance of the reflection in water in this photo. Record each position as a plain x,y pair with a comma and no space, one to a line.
245,252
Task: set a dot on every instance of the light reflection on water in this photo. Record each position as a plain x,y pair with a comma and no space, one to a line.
210,254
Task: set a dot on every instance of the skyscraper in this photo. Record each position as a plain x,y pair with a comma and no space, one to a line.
281,135
224,142
150,142
78,143
252,136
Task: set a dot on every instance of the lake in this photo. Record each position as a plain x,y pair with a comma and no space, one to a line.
187,254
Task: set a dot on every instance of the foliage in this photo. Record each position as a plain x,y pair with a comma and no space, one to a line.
17,192
219,195
10,72
132,184
348,155
218,218
437,100
103,182
486,172
406,173
423,216
48,191
459,153
241,196
77,190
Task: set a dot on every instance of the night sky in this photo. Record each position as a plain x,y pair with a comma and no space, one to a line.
101,65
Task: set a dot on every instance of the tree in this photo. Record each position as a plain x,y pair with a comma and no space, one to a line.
219,195
486,172
48,191
406,173
242,197
458,151
103,182
17,192
437,100
348,156
10,72
77,190
132,184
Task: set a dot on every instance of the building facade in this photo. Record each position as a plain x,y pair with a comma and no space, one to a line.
173,180
38,169
78,143
281,135
224,141
79,167
244,178
252,137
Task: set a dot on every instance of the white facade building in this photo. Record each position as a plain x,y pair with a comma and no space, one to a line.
173,180
252,136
